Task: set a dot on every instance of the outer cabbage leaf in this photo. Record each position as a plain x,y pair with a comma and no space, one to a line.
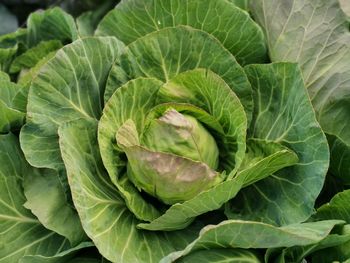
20,232
315,33
61,257
233,27
57,214
339,237
250,234
339,253
69,86
334,247
263,159
283,114
39,137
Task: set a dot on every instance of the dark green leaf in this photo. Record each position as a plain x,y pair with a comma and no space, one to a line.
283,114
233,27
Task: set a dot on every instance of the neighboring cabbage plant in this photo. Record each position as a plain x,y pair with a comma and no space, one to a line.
22,53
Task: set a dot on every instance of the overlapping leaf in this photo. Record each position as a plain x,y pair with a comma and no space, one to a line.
250,234
234,28
334,247
69,86
316,35
283,114
166,53
21,233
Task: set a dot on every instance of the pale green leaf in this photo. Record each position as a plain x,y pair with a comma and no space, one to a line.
181,134
180,215
168,177
87,23
8,49
127,135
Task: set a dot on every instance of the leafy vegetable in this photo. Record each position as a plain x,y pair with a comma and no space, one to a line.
159,131
137,164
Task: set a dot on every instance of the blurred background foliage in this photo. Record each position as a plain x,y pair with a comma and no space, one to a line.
14,13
